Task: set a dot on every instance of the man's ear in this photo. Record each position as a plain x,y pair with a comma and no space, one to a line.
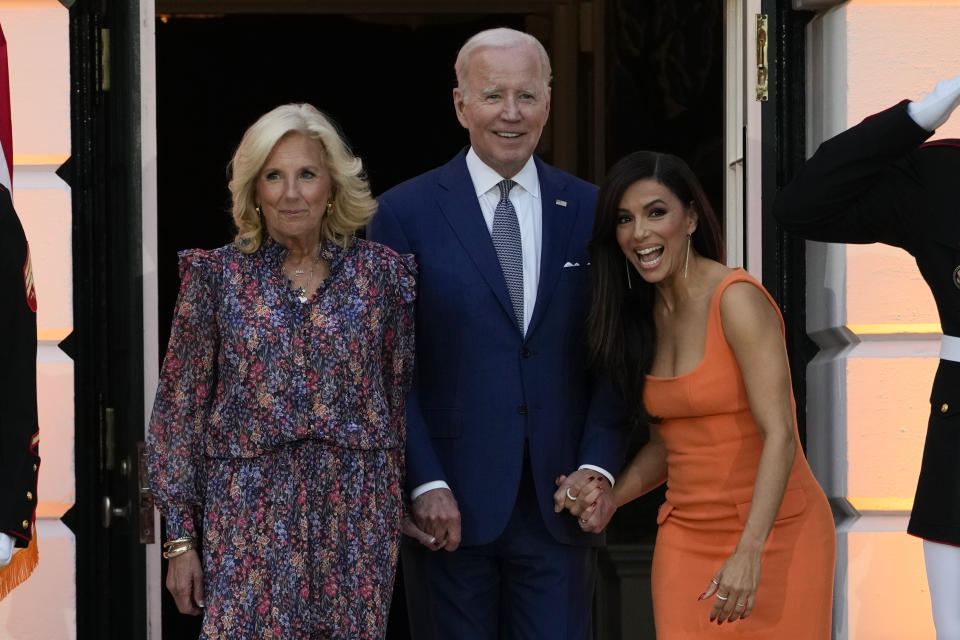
458,105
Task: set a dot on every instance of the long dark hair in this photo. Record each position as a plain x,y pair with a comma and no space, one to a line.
621,335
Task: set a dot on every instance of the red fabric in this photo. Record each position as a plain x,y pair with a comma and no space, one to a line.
6,125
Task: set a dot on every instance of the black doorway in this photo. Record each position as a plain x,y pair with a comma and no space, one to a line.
386,80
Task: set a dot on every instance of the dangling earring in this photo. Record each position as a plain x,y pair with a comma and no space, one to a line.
626,263
686,260
257,209
330,207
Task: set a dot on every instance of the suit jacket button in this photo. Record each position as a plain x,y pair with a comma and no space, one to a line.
29,495
526,353
522,409
944,408
26,524
34,467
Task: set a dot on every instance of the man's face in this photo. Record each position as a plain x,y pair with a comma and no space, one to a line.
504,107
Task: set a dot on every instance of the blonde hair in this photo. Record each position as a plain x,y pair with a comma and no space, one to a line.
500,38
353,206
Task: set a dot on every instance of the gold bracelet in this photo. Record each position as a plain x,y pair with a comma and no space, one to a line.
176,552
180,546
181,540
179,550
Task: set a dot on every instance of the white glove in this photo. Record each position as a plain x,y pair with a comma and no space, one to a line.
6,549
936,106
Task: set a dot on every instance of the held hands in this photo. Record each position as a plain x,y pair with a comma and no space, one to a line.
734,587
935,108
586,495
436,520
185,582
6,549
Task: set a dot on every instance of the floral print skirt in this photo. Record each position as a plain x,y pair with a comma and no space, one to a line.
301,543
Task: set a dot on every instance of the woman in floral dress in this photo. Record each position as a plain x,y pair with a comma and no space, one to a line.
278,427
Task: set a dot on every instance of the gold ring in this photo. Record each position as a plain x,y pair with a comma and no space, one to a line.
570,497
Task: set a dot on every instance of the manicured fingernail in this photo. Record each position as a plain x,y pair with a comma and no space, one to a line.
702,596
593,504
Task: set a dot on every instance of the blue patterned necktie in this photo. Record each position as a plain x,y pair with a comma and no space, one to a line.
506,240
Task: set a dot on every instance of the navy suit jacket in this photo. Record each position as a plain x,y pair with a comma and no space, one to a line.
481,387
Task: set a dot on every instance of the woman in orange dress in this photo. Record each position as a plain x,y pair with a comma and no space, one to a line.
746,541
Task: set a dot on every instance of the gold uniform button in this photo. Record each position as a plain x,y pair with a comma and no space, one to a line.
29,495
34,467
26,524
944,408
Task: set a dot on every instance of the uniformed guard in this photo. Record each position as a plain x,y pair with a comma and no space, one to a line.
19,431
880,182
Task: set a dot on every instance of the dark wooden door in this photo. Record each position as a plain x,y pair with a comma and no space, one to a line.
107,341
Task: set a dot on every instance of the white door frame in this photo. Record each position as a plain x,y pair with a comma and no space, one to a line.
151,355
742,137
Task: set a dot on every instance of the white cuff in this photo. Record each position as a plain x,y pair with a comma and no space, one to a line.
6,549
936,107
427,486
599,469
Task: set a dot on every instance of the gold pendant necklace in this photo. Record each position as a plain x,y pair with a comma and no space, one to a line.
301,291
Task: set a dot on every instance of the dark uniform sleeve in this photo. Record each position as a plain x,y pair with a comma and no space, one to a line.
861,186
19,431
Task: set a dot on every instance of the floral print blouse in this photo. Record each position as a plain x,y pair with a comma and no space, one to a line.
250,368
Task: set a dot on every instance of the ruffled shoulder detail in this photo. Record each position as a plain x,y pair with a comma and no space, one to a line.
205,264
399,271
407,277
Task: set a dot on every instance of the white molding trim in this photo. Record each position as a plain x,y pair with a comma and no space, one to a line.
742,204
148,181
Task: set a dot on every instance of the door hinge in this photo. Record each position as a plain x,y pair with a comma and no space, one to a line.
763,75
105,59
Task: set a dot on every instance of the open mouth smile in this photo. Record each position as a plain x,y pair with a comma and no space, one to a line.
650,257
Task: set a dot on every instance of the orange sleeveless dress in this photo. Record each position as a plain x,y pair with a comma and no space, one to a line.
713,449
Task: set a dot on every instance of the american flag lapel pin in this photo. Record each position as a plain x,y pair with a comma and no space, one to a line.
561,203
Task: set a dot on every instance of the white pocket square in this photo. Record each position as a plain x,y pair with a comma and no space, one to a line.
571,264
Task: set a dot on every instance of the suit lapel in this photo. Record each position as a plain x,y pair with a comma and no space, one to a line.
458,202
557,224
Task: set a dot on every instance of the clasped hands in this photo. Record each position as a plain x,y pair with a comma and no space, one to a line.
434,518
587,495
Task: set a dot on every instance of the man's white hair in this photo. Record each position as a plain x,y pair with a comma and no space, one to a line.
500,38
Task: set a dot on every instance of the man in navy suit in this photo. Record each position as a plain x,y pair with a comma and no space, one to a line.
502,404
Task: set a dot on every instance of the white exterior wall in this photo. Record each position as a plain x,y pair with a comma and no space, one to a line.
874,320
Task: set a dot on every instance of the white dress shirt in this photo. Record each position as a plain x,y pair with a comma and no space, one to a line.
525,196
